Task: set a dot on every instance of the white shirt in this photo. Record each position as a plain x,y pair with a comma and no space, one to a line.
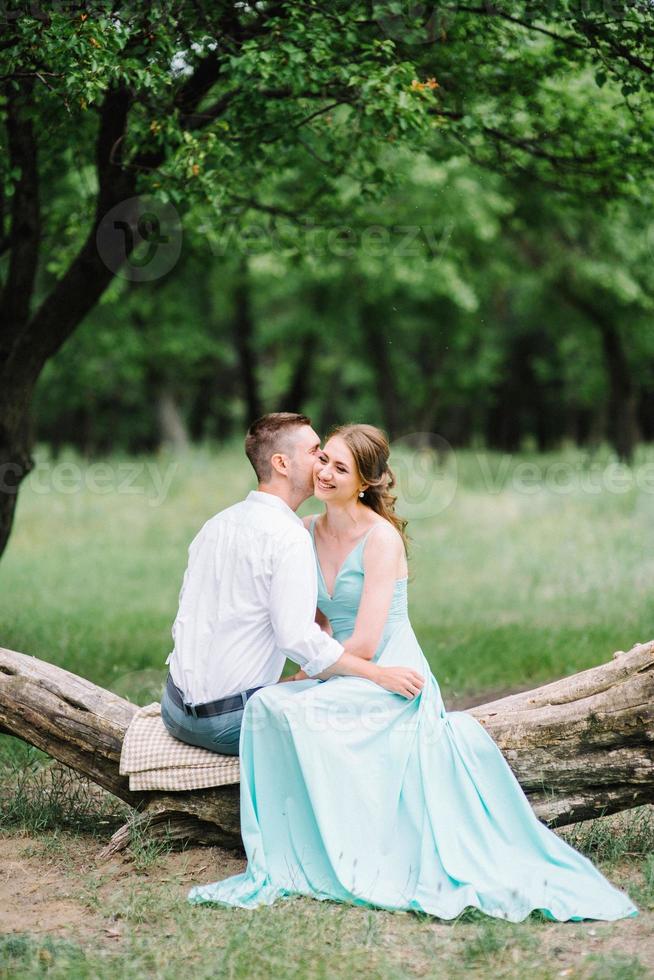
248,601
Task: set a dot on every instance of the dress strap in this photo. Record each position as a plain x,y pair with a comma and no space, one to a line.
365,536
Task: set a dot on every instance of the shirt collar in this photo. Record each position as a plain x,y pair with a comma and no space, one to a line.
272,500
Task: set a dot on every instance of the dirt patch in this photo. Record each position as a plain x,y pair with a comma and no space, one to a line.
56,886
33,892
570,942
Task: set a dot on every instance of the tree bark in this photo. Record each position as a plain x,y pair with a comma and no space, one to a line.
83,726
23,243
15,453
580,747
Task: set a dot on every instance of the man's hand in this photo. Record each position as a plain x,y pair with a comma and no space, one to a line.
400,680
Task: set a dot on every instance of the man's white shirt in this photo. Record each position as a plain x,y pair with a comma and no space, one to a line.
248,601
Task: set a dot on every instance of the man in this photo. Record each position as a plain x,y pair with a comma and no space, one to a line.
248,598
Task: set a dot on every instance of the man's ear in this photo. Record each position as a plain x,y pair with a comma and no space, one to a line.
279,463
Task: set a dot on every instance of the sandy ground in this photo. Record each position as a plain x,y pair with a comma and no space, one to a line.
68,892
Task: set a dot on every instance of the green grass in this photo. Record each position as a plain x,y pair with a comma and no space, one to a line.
598,838
158,934
39,795
507,588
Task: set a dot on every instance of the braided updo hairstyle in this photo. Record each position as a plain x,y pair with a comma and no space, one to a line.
370,449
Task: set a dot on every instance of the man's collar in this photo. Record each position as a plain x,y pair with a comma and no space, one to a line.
272,500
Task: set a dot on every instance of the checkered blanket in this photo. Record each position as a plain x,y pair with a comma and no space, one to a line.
153,759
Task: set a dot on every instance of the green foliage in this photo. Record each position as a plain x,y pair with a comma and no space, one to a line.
417,193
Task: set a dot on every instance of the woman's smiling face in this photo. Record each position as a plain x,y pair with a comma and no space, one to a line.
335,475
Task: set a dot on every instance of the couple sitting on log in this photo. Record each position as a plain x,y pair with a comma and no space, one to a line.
356,784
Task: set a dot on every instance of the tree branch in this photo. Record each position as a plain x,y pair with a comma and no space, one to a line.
89,274
596,38
198,120
529,146
587,28
489,10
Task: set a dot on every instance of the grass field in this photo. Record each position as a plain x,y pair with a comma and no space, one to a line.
523,569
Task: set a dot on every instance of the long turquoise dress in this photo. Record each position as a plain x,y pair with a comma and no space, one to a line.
355,794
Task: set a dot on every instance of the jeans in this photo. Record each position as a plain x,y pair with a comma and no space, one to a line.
218,733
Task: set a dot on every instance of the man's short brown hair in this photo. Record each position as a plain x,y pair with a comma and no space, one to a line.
269,435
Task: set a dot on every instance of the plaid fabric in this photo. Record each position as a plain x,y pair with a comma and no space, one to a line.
153,759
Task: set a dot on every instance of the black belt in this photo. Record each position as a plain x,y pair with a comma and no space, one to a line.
210,708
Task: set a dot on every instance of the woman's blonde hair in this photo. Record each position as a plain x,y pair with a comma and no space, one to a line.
369,446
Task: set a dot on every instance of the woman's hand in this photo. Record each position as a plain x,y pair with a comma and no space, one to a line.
401,680
299,676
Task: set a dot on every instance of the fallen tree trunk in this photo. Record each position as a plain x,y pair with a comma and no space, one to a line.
580,747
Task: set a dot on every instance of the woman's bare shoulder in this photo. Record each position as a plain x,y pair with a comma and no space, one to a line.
384,550
382,536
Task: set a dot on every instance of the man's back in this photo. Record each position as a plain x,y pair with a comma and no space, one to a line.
225,634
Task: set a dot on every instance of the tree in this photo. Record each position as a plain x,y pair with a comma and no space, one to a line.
187,101
119,118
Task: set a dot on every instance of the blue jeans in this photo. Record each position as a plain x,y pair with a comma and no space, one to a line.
218,733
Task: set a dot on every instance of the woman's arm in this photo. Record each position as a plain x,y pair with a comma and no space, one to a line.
383,558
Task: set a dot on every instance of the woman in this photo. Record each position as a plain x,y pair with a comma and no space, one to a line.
352,793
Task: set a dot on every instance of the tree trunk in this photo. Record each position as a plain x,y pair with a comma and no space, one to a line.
209,412
622,420
244,341
15,455
623,425
523,405
580,747
172,427
378,345
646,412
28,336
294,398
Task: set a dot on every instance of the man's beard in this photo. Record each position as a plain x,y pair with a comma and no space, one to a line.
304,488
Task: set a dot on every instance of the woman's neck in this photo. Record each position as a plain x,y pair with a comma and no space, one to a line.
341,521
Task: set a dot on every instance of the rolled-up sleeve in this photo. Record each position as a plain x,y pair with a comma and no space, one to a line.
293,597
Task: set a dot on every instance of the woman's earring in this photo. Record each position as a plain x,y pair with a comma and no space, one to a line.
361,493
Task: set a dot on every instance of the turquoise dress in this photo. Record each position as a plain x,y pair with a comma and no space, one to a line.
355,794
